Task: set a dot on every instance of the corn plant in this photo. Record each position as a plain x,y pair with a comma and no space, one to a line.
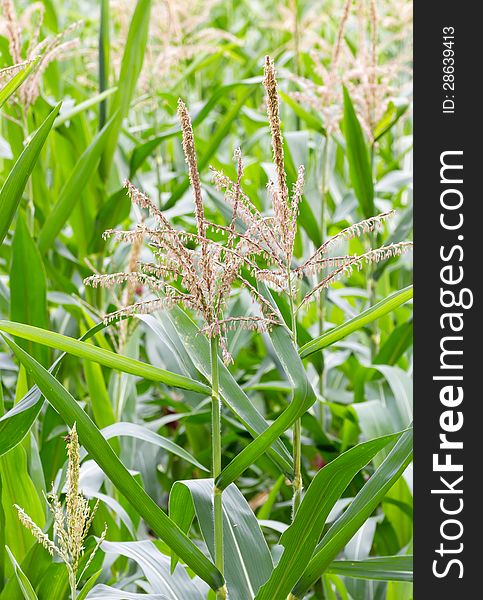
223,340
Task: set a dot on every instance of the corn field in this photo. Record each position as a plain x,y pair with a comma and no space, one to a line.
205,300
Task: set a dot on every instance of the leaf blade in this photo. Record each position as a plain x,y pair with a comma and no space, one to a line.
358,157
14,185
102,356
368,316
359,510
300,539
92,439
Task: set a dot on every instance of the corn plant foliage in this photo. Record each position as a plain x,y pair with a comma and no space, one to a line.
229,331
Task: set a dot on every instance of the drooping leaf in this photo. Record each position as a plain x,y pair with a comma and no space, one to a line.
155,566
16,423
101,356
146,435
92,439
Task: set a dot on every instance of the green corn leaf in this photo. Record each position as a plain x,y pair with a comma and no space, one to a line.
25,585
391,116
300,539
102,409
303,398
104,357
356,514
267,506
104,58
16,423
100,450
12,189
382,568
312,120
18,488
146,435
131,65
248,562
68,115
28,287
368,316
358,157
155,566
73,188
194,348
88,585
13,84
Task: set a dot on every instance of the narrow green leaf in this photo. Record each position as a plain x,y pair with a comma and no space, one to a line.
73,188
132,62
312,120
303,398
391,116
266,508
28,287
395,345
104,357
15,424
247,558
113,211
104,58
358,157
358,511
177,329
382,568
68,115
146,435
368,316
100,450
88,585
300,539
13,84
102,409
12,189
25,585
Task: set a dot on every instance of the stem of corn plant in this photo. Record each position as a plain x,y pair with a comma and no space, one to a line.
216,461
72,584
323,186
297,442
